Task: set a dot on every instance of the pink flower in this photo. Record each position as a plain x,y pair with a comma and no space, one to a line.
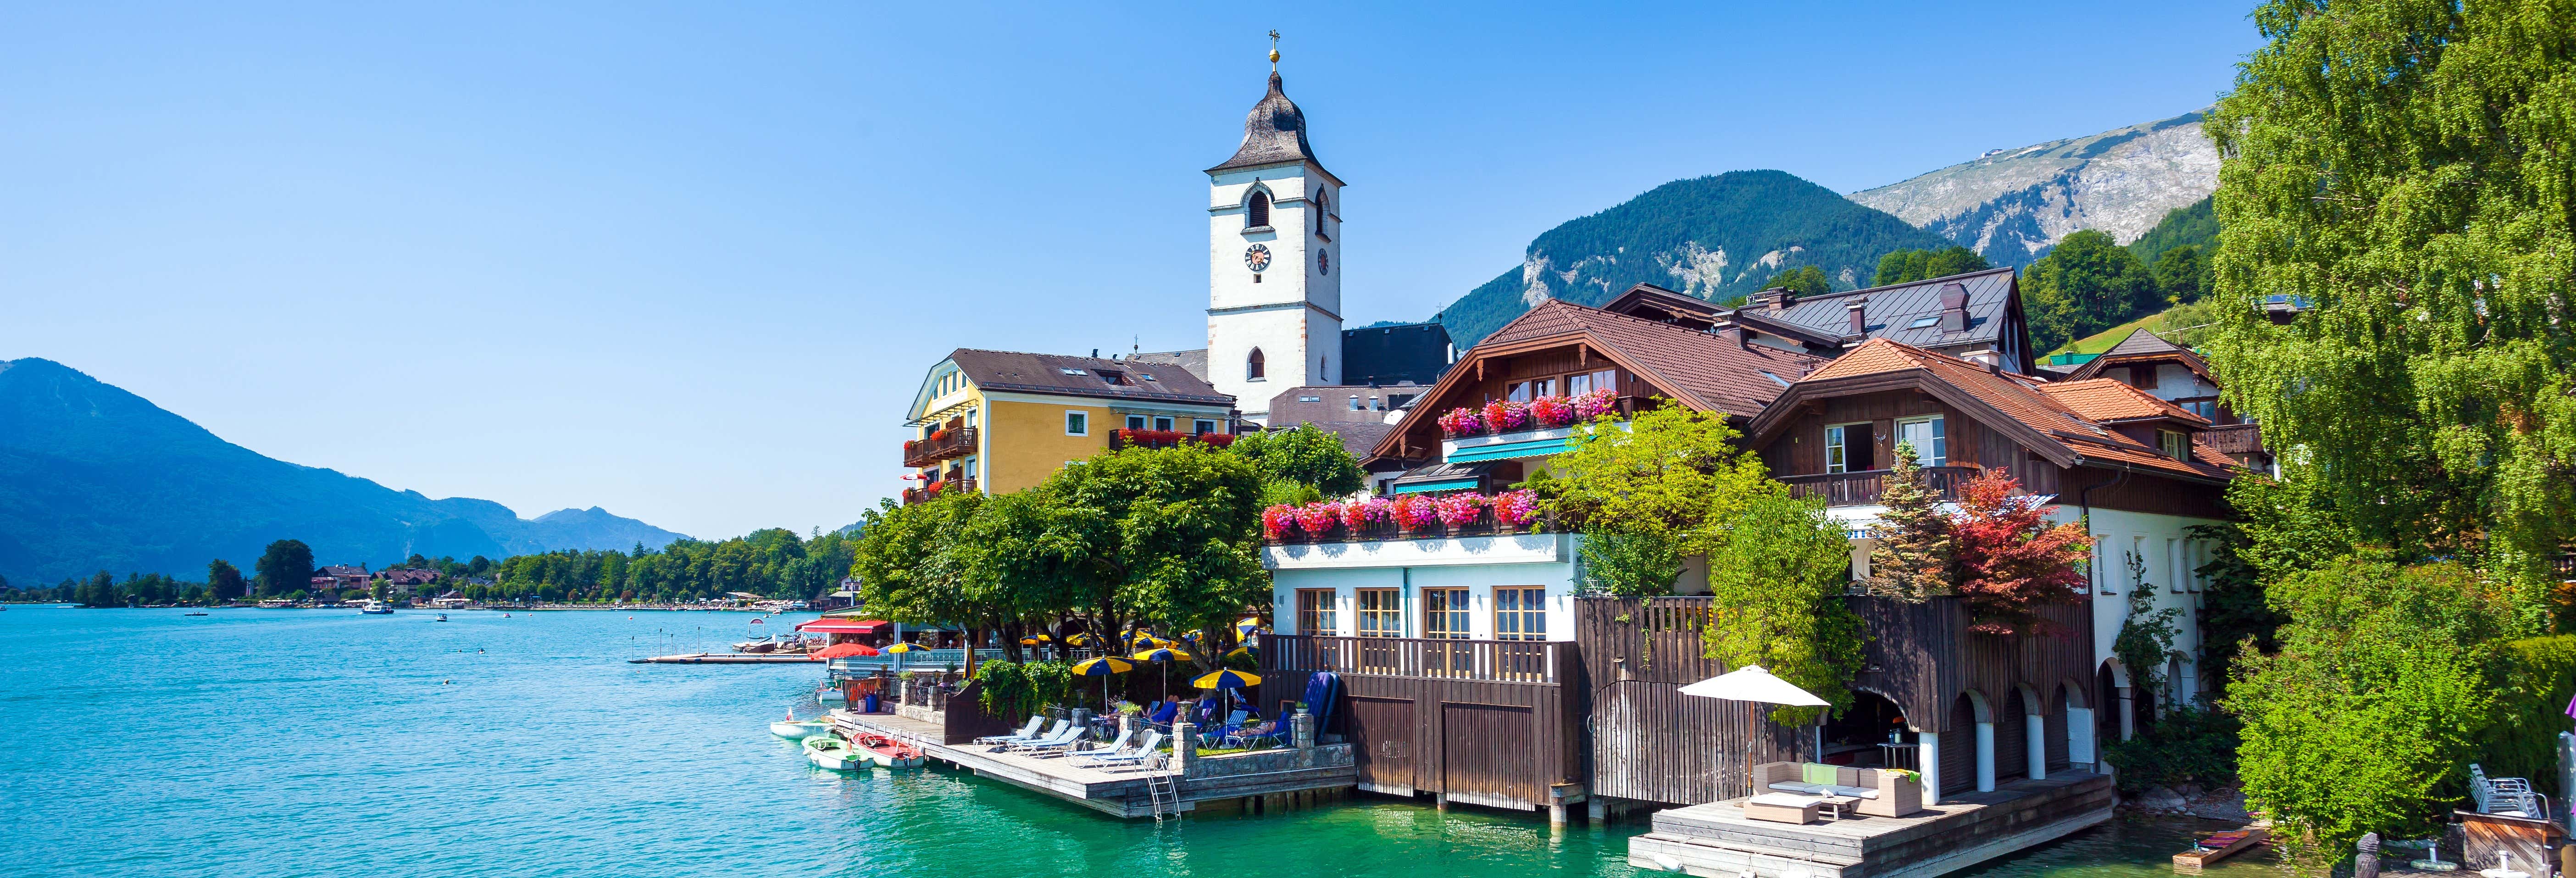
1460,508
1505,415
1516,507
1595,403
1460,422
1318,518
1356,514
1277,521
1414,511
1552,411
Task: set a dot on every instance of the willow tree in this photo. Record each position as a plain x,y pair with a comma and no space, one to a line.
2406,171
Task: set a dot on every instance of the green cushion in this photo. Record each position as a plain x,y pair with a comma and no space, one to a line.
1816,772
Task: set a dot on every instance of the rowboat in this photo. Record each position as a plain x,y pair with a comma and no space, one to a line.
794,729
889,753
831,753
2217,846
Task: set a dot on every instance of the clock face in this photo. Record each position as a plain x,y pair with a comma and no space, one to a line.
1324,261
1256,257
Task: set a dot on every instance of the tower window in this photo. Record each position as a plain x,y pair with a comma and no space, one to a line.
1253,368
1256,213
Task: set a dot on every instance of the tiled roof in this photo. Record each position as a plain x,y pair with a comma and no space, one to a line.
1015,371
2070,414
2141,346
1332,405
1717,371
1894,309
1193,361
2102,399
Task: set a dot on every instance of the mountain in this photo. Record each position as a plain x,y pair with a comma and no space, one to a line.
1714,237
2011,205
93,477
2195,225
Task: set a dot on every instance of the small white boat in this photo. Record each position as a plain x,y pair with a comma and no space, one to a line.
442,617
830,753
794,729
375,608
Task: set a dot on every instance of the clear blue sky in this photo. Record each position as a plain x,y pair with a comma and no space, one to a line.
689,262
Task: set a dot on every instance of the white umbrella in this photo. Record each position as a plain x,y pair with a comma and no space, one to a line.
1752,684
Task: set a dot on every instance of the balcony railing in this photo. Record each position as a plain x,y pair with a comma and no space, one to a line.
947,442
1483,525
926,493
1623,407
1513,661
1122,438
1864,488
2235,439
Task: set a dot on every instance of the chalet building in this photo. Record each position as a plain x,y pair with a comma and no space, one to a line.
999,421
2175,374
343,576
1976,315
403,582
1360,416
2137,467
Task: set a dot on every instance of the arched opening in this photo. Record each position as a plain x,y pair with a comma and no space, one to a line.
2106,692
1256,212
1254,368
2012,736
1959,748
2073,732
1870,733
1320,210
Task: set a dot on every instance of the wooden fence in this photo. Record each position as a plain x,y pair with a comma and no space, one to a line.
1481,722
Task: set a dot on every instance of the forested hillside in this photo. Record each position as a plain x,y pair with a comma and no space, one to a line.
1718,238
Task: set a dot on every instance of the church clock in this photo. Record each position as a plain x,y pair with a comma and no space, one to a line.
1256,257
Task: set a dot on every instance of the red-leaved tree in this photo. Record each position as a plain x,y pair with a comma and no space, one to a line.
2010,558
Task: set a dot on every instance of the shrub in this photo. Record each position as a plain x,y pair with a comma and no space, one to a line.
2187,744
2540,671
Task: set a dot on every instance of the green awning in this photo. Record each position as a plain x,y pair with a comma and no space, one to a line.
1442,485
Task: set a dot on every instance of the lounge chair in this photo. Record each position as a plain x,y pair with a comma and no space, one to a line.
1026,732
1065,734
1244,737
1233,723
1153,741
1162,716
1068,748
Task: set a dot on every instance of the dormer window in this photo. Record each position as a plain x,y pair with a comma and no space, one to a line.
1254,368
2174,443
1256,213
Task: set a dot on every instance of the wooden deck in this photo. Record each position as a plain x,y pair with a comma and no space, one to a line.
1268,778
1962,831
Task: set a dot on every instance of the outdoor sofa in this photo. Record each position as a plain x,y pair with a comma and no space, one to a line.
1882,792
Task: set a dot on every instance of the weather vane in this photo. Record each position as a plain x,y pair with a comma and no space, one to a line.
1274,51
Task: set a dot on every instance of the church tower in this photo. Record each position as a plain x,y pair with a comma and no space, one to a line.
1274,282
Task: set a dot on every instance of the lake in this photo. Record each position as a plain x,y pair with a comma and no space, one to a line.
325,743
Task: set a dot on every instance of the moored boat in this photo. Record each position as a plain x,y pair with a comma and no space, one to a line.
2217,846
795,729
829,752
889,753
375,608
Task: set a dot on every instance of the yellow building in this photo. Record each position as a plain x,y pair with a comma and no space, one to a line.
999,421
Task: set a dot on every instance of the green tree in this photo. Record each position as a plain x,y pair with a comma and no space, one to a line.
2401,168
2371,710
1170,535
285,566
1776,597
1913,558
1805,280
223,581
1304,455
1907,266
2182,274
2086,284
1660,489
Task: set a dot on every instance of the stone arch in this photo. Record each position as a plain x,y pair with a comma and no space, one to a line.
2012,733
1959,748
1256,207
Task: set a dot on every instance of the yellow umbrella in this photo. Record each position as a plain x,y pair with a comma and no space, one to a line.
1165,656
1229,680
906,647
1102,667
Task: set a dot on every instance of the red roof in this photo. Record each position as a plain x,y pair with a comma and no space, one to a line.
830,625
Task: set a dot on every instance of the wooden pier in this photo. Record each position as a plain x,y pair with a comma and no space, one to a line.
1962,831
1258,781
724,658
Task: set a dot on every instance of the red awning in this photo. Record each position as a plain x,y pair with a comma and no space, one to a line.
844,626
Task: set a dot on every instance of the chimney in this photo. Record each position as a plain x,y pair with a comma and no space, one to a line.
1992,359
1774,299
1954,307
1858,310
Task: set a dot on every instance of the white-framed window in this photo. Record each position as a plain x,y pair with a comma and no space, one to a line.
1520,613
1255,366
1163,423
2174,443
1836,459
1135,422
1202,427
1930,438
1077,423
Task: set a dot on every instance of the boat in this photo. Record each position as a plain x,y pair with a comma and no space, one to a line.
829,752
2217,846
795,729
441,617
889,753
195,614
376,608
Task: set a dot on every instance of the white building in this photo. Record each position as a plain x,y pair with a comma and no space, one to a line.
1274,288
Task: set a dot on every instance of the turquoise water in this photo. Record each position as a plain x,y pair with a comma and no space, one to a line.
319,742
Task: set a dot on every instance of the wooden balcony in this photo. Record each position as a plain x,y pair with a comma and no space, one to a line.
1483,525
1121,439
1863,488
2235,440
926,493
1505,661
948,442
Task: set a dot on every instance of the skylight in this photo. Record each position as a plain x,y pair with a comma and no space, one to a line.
1921,322
1781,381
1074,371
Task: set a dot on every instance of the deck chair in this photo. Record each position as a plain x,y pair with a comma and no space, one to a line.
1026,732
1233,723
1114,745
1125,758
1060,727
1245,736
1162,716
1065,734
